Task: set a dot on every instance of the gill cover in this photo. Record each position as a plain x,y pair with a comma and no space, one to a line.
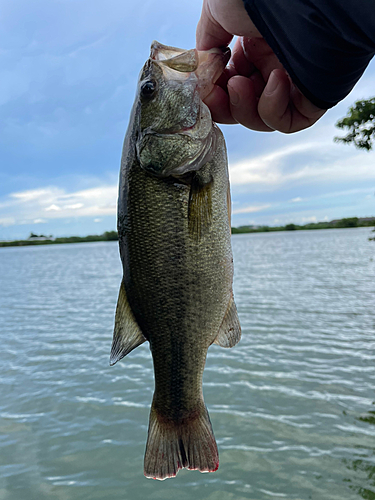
175,133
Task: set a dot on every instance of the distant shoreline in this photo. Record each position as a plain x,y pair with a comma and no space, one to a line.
45,240
333,224
112,235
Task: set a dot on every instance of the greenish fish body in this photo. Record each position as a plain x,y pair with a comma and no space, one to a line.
174,237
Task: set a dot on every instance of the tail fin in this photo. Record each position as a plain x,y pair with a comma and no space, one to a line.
174,445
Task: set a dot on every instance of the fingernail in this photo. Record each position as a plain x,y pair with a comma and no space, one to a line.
272,84
233,96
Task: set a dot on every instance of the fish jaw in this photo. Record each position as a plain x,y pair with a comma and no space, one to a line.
176,130
210,66
206,64
175,155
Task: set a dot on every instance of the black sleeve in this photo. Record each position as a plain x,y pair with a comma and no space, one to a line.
325,45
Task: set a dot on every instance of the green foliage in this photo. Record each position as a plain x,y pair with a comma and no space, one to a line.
360,122
107,236
349,222
243,229
111,235
339,223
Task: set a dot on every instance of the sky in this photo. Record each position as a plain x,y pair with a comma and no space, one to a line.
68,75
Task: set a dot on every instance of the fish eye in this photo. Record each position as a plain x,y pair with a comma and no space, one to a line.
148,88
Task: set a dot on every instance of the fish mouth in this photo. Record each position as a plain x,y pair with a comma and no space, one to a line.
197,68
206,65
182,146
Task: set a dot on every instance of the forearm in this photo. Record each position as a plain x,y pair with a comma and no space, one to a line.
324,45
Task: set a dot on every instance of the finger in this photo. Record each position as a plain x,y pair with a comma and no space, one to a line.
228,72
209,32
243,67
274,104
239,60
259,53
304,106
258,82
218,102
277,109
244,103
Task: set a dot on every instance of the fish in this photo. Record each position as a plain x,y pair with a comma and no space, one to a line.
175,247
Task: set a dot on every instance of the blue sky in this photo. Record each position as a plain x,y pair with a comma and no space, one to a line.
68,72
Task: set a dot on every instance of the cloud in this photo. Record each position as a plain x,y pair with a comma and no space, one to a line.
47,203
303,163
250,209
53,207
306,220
264,168
30,195
7,221
295,200
75,206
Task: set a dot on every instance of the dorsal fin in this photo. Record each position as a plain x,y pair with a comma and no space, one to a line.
230,329
126,335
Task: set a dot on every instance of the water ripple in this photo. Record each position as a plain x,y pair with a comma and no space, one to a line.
292,405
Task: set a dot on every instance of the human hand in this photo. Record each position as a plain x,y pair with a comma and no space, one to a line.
254,90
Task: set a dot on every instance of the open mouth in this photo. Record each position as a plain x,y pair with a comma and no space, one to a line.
207,65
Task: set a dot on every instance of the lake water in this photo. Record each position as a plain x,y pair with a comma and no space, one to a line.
292,405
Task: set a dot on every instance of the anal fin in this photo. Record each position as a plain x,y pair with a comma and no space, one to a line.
230,330
126,335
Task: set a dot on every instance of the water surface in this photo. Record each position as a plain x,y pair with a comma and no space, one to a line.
292,405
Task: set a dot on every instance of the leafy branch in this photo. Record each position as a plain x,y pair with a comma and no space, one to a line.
360,122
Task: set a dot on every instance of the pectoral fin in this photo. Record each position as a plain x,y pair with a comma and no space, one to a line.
127,334
230,329
200,207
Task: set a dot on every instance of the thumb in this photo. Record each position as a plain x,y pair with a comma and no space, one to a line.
274,103
283,107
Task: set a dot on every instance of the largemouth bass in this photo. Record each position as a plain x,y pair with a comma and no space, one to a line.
175,247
